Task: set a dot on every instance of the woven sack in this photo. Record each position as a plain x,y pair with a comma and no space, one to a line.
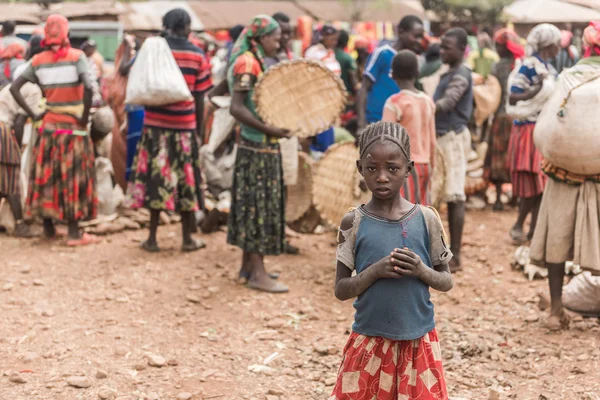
302,96
299,196
289,160
155,78
487,99
566,132
336,183
438,179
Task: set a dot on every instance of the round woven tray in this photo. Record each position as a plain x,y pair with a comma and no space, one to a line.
336,183
438,180
303,96
299,196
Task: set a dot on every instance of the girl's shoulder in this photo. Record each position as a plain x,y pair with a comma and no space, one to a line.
246,63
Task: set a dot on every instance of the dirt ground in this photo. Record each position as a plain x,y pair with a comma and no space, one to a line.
98,316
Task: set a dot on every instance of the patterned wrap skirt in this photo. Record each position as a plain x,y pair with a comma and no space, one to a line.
257,217
62,178
383,369
165,173
10,161
525,163
417,186
498,149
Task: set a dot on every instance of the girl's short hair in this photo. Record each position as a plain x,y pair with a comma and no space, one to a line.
381,131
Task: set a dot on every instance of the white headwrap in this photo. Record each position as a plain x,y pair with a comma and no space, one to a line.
541,36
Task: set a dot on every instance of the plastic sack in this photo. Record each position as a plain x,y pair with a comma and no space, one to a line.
289,160
223,123
155,78
582,294
566,132
532,107
108,199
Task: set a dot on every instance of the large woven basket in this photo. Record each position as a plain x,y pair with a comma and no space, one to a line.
438,180
336,183
299,196
302,96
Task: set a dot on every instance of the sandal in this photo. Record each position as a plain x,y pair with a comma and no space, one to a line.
150,248
276,287
518,237
244,277
195,245
84,240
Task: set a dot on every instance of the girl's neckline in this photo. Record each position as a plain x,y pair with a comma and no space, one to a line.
369,214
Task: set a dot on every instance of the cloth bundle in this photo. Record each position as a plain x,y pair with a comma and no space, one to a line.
155,78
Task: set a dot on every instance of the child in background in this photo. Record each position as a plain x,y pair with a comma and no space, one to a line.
398,252
454,106
416,112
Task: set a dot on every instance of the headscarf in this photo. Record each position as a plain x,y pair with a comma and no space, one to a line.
248,41
508,38
14,50
565,39
542,36
56,33
591,39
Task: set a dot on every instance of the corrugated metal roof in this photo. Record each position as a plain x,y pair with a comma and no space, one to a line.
333,10
147,16
225,14
551,11
23,13
77,10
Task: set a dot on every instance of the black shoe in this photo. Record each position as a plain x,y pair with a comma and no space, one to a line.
289,249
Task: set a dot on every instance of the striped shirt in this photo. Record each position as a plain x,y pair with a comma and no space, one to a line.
60,83
532,71
196,71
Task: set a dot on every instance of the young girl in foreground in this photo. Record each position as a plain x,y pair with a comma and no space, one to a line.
398,251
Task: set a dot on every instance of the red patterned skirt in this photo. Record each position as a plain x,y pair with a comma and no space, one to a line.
383,369
417,185
62,178
525,163
498,152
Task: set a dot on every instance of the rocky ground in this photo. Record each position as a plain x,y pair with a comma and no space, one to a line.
110,321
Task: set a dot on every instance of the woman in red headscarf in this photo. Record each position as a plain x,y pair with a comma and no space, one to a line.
12,57
509,50
62,186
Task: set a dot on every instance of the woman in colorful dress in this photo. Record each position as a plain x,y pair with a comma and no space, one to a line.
509,49
62,178
165,174
257,217
13,118
524,159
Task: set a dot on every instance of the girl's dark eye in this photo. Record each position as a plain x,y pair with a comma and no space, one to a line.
371,169
393,169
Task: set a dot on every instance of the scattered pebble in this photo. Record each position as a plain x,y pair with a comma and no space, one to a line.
193,298
25,269
184,396
8,287
38,282
156,361
276,323
17,378
139,367
121,350
100,374
107,394
81,382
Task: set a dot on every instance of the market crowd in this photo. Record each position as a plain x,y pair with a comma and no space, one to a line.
413,102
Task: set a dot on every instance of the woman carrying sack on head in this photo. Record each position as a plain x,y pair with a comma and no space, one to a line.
569,223
257,217
165,174
62,178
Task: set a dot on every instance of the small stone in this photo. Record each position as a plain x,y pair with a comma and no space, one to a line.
532,318
29,357
271,397
276,323
107,394
25,269
184,396
38,282
321,349
139,367
8,287
193,298
47,313
195,287
121,350
275,392
172,363
583,357
81,382
156,361
213,289
330,381
100,374
17,378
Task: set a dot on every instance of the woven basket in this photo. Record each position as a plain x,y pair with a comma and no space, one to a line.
301,95
336,183
299,196
438,180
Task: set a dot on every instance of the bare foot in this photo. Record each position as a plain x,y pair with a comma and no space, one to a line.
266,284
518,236
558,322
194,245
455,266
150,246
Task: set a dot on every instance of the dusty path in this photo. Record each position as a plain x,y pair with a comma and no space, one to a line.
111,307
